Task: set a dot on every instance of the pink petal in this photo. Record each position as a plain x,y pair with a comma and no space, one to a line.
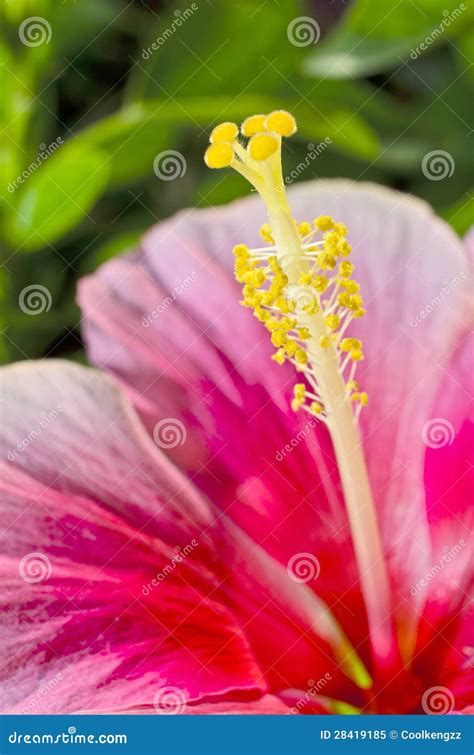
265,705
92,512
186,350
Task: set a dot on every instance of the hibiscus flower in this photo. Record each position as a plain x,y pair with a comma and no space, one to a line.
178,539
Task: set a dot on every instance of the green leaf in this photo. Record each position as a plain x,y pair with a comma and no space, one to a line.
460,214
57,196
377,35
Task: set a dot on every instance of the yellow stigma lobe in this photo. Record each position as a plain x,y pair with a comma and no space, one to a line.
219,155
253,125
225,132
262,146
281,122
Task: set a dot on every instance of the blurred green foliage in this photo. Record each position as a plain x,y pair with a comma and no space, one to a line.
386,82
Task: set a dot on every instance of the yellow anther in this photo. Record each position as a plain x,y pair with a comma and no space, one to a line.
357,355
358,313
343,248
262,146
290,348
255,278
305,279
355,397
323,223
278,338
320,283
299,390
219,155
332,321
340,228
279,356
316,408
266,234
350,344
253,125
296,404
350,286
326,261
364,399
346,269
282,305
281,122
352,385
324,342
304,228
241,250
224,132
301,356
304,334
